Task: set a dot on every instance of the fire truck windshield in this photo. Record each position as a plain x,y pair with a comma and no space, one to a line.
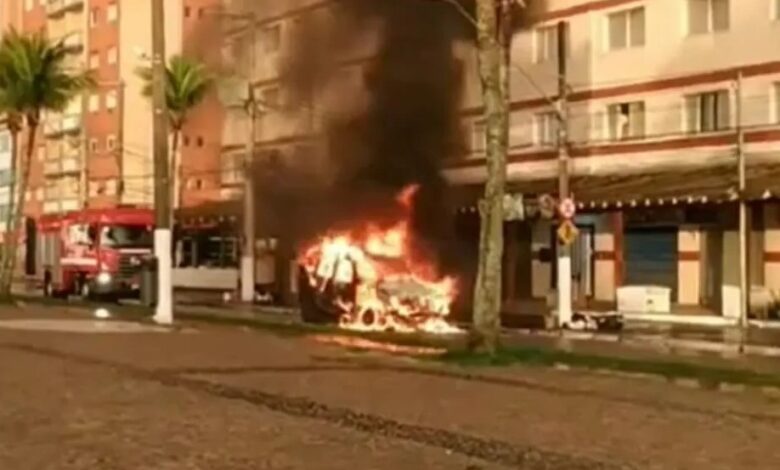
126,236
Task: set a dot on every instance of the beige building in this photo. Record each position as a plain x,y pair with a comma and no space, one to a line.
654,105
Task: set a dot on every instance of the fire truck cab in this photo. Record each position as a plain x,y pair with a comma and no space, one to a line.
92,253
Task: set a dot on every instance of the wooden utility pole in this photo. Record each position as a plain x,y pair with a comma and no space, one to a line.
564,250
162,183
744,219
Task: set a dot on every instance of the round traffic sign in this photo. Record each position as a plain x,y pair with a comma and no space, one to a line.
567,209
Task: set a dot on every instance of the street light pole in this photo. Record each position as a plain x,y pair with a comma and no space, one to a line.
162,187
248,256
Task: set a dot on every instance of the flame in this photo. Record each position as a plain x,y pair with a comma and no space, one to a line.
375,284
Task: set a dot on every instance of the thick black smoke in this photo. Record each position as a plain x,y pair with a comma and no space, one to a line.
404,128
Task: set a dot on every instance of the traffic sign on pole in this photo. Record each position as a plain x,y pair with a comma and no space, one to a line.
567,232
567,209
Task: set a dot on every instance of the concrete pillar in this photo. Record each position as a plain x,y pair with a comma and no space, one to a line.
541,267
689,241
771,257
604,261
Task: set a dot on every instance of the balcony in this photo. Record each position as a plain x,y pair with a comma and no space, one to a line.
56,125
56,8
73,42
63,166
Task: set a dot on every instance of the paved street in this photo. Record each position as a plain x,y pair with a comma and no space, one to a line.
209,397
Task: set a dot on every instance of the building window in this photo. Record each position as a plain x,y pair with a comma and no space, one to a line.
546,128
112,55
269,98
708,112
478,137
185,141
112,13
93,145
94,103
776,12
546,44
232,168
29,5
111,187
94,60
199,141
776,98
707,16
271,38
111,142
94,17
627,29
111,100
41,153
187,12
626,120
5,142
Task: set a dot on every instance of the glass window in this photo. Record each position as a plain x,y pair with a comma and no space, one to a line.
546,128
112,13
478,137
626,120
707,16
271,38
708,112
126,236
627,29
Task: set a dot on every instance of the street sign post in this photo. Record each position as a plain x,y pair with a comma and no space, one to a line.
567,232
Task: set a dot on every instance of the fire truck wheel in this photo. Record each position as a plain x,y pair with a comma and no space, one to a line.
83,289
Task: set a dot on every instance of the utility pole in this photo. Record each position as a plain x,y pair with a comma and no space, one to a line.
248,258
162,186
564,250
744,220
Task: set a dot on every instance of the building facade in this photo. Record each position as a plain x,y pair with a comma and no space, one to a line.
664,94
96,152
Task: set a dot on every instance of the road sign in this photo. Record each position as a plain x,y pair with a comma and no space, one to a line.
567,232
567,209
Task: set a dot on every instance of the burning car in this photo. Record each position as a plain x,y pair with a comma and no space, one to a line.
367,280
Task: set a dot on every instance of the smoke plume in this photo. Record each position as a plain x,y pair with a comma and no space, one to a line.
391,128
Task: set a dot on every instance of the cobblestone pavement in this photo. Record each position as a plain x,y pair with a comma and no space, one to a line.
227,398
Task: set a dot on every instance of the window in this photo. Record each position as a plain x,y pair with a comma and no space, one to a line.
271,38
707,112
93,145
776,11
41,153
546,44
187,12
627,29
546,128
94,103
707,16
112,55
186,140
626,120
29,5
478,137
94,59
232,168
111,100
111,187
111,142
776,98
94,17
112,13
269,98
5,177
5,143
199,140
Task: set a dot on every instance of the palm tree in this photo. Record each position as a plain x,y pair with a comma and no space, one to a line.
188,84
33,78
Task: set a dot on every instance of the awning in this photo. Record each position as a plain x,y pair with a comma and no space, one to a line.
712,184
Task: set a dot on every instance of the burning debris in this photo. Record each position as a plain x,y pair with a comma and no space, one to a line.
368,280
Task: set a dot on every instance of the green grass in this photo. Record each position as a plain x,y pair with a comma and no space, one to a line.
707,375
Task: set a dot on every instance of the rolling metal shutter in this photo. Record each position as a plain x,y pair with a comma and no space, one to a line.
650,257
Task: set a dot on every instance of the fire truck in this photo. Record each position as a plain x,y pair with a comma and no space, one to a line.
91,253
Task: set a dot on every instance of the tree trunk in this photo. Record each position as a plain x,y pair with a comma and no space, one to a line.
493,34
12,231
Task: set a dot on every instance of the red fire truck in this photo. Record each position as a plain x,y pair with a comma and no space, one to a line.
92,253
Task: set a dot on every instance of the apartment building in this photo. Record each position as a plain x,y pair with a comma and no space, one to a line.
660,92
96,152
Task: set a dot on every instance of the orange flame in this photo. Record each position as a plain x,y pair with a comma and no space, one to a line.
391,290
